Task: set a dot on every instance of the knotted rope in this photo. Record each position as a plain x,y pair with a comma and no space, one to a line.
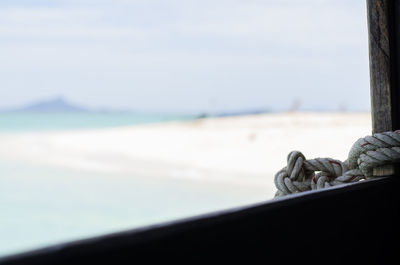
366,154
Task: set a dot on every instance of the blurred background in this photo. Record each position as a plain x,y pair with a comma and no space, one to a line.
116,114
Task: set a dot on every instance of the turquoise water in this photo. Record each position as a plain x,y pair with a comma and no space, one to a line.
41,206
20,122
44,205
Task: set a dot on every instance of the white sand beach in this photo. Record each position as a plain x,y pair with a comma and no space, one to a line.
242,150
58,186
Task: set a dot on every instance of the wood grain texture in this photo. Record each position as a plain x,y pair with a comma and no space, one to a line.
383,59
380,64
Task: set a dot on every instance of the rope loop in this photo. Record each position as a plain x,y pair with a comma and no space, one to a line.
366,154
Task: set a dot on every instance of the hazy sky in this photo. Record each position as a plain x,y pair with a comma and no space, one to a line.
185,55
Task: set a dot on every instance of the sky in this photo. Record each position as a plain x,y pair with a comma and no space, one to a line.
186,55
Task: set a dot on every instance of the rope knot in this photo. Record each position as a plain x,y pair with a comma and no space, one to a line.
366,154
294,177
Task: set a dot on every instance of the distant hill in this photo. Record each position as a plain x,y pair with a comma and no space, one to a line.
54,105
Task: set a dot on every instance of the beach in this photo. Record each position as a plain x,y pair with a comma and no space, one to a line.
244,150
69,184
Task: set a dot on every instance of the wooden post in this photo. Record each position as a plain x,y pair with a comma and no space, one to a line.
384,60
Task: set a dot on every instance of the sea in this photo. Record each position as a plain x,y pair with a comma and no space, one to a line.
44,121
45,205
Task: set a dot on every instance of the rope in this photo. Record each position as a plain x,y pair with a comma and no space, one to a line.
366,154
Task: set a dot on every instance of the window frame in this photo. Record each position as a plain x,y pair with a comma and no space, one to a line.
357,221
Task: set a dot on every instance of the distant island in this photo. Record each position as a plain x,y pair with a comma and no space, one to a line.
61,105
58,104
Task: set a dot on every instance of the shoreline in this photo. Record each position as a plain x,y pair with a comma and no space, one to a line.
246,150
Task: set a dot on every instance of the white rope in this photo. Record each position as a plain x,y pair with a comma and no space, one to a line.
366,154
